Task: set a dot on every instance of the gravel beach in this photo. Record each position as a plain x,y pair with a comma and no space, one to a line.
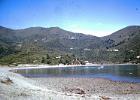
16,87
92,86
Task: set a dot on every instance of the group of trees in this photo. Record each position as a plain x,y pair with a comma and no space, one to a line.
53,60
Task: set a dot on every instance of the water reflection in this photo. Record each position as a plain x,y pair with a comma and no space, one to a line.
130,73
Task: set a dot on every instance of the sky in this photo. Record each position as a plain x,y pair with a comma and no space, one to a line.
95,17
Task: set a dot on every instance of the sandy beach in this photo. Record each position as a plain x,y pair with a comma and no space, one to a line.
16,87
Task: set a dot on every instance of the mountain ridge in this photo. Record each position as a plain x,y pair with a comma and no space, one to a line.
56,27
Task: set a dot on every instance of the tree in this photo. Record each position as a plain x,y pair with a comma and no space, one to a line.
47,56
43,60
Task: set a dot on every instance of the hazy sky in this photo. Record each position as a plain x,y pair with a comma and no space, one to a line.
96,17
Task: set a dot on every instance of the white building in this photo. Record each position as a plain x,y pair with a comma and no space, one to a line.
115,50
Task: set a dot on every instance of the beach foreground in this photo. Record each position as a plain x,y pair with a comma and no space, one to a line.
16,87
93,86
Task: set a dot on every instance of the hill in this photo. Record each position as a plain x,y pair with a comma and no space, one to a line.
37,44
126,41
121,36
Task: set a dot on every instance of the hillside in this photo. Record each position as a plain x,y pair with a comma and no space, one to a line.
121,36
34,44
126,41
7,41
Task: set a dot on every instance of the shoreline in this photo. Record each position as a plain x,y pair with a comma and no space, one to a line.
13,86
64,88
36,66
68,66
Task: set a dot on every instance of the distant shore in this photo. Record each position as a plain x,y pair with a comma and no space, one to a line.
34,66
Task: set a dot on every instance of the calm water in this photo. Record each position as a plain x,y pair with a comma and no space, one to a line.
125,73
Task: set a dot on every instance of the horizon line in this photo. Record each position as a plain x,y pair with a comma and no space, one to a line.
66,29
